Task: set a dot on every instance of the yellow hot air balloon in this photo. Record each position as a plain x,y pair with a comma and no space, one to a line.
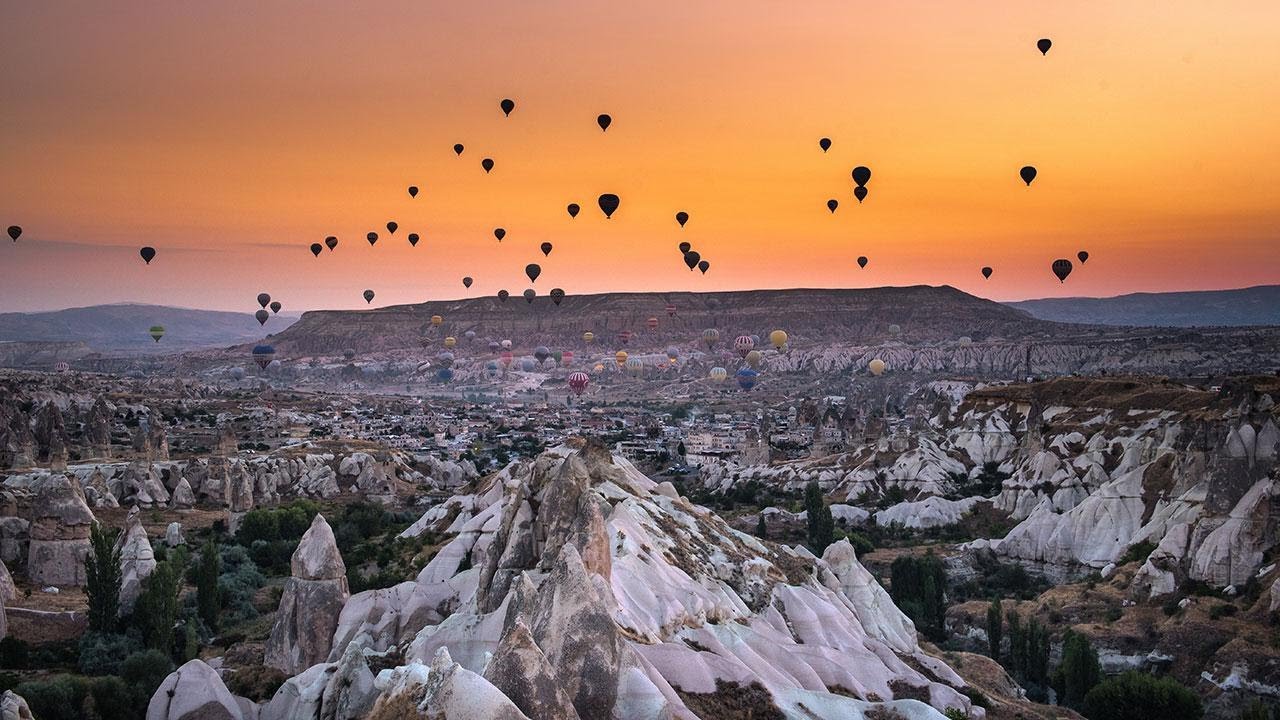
753,359
598,368
718,374
450,341
588,336
876,366
437,321
778,338
620,357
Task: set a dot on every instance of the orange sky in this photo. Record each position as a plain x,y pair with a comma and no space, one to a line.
232,135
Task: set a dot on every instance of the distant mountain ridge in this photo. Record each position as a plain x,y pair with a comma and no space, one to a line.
124,327
1258,305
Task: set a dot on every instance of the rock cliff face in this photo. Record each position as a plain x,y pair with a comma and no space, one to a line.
575,587
309,606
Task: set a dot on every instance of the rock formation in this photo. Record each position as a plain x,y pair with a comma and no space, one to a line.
195,692
13,706
137,560
59,532
312,600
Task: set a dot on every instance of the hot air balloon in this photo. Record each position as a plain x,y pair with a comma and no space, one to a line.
557,296
316,249
604,121
673,352
237,373
746,378
986,272
895,329
565,358
671,311
684,248
491,369
634,366
1062,268
691,259
349,354
458,148
444,358
368,296
444,374
718,374
451,341
1043,45
372,237
263,355
507,106
1027,173
825,144
651,323
588,337
578,382
965,341
876,366
710,336
263,299
529,295
832,205
625,336
1083,256
532,270
506,358
778,338
527,365
275,306
262,316
413,239
487,164
541,353
503,295
862,261
546,248
15,232
754,358
860,193
499,233
743,344
61,367
506,344
609,204
156,332
437,320
494,345
861,175
466,281
704,266
331,242
573,210
413,191
148,253
682,217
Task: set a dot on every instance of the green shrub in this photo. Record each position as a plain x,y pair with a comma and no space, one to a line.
14,654
1138,696
143,671
100,652
103,578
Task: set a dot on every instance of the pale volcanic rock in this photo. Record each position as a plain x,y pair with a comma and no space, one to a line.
312,600
521,671
137,561
59,533
13,706
194,692
928,513
173,536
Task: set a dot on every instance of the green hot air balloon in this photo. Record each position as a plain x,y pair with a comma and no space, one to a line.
156,332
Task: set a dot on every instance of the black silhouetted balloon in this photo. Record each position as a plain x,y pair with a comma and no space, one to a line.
1062,268
466,281
372,237
860,192
1044,44
832,205
147,253
692,258
861,175
264,299
503,295
392,227
507,106
1083,256
331,242
533,271
413,239
368,296
825,144
704,266
684,247
609,204
413,191
546,248
15,232
557,295
862,261
573,210
457,149
276,306
604,121
682,217
529,295
487,164
499,233
986,272
1027,173
316,249
262,316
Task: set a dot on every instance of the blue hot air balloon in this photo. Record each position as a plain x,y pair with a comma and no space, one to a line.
747,378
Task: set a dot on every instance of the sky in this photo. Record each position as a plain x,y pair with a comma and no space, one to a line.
232,135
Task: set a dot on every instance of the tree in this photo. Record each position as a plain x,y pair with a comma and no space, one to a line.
103,578
995,629
1138,696
1017,646
821,526
208,602
918,586
1078,672
157,608
762,530
1259,711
